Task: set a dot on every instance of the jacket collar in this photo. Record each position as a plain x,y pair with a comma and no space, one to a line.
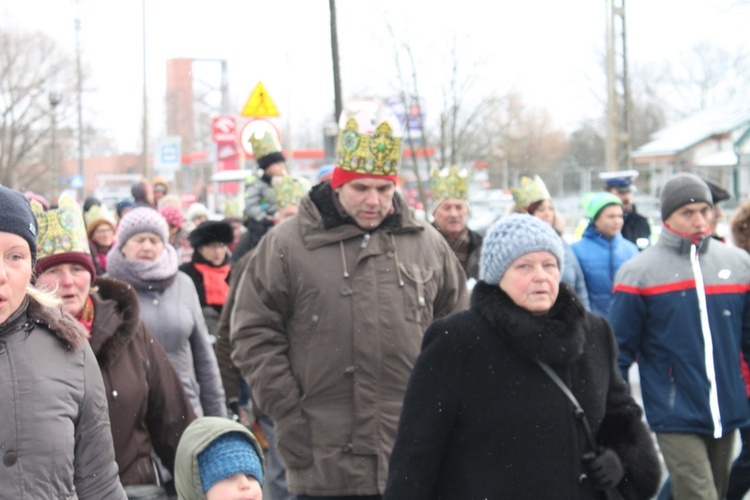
64,326
113,298
681,243
322,223
556,337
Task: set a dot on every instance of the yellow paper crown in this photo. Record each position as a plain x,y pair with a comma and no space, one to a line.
377,153
290,190
530,191
264,139
60,230
450,183
97,214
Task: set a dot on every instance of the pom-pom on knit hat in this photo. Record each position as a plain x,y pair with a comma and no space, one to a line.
683,189
142,220
229,454
514,236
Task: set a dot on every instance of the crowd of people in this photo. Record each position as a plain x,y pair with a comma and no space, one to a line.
331,344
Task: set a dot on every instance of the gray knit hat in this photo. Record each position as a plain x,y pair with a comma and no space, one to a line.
683,189
510,238
142,220
18,217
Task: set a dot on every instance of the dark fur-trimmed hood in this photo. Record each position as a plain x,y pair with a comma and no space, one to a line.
555,337
63,325
741,226
109,345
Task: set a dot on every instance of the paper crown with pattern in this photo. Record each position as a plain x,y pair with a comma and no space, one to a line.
369,144
98,214
450,183
530,191
264,140
61,230
290,190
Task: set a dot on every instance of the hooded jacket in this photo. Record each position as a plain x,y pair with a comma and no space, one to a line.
196,438
55,436
481,419
683,309
147,405
327,331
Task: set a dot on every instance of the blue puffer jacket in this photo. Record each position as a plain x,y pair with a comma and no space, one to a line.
684,310
600,258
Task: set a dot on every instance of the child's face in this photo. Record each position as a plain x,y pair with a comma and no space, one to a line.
236,487
276,169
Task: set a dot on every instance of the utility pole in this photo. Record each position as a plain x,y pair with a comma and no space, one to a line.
618,146
54,100
338,105
79,93
146,166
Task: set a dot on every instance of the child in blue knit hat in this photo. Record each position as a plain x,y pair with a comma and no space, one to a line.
217,459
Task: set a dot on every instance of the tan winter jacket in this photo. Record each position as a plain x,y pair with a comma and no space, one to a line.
326,328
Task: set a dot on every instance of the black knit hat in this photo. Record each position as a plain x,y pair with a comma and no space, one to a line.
210,231
18,218
268,160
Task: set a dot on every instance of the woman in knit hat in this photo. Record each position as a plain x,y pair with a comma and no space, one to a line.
169,304
148,408
602,249
532,197
55,435
209,268
218,459
481,415
100,230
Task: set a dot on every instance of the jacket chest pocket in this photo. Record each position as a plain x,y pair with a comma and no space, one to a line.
418,292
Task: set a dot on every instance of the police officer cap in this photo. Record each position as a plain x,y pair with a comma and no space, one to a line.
621,180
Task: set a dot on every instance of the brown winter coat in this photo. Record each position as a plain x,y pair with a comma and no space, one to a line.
327,330
148,408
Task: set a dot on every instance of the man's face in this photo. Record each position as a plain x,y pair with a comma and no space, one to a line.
451,215
626,198
368,201
693,219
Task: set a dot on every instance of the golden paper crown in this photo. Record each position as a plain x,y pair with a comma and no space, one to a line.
60,230
377,153
98,214
449,184
530,191
290,190
264,141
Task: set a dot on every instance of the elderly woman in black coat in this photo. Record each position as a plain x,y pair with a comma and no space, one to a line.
481,416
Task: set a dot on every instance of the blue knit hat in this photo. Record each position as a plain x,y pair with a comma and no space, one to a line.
514,236
230,454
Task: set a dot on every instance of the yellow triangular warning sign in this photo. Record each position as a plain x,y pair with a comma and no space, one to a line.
259,104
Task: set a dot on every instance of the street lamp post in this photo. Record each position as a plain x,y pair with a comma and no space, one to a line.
54,99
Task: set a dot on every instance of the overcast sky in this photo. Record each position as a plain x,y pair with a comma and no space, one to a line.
548,50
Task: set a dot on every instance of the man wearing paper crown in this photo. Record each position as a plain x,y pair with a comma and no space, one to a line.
334,304
450,211
260,205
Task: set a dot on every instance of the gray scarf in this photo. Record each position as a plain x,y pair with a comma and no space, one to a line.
155,274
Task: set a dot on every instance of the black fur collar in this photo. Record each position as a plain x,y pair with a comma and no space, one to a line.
322,196
556,337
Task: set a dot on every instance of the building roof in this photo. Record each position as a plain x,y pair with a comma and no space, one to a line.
681,136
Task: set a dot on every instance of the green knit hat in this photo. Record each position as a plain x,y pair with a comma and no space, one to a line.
593,203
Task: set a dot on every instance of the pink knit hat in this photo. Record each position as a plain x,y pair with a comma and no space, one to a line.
173,215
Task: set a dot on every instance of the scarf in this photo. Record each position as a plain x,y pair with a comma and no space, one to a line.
215,285
86,316
155,274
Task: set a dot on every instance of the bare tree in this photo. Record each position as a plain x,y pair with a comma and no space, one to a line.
31,67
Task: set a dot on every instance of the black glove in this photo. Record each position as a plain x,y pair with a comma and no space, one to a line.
234,410
605,468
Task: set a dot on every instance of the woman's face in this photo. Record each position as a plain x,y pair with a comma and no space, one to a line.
532,281
104,235
143,246
15,273
70,282
546,212
610,221
214,252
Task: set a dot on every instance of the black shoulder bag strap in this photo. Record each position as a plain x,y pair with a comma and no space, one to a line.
580,414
